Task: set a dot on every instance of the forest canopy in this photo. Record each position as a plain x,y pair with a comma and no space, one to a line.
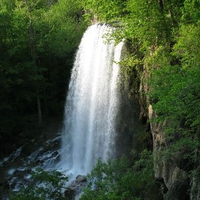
38,40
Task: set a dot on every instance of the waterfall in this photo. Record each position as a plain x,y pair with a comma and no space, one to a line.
92,102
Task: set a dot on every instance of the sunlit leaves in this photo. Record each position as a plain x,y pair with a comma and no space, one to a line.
104,11
65,26
123,179
187,46
191,12
175,96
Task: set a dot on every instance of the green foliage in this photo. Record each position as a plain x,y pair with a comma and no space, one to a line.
65,28
38,41
175,96
191,13
123,179
104,11
146,16
175,88
43,185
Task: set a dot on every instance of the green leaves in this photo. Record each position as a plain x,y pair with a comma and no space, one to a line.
123,179
104,11
175,98
176,87
191,13
38,40
187,46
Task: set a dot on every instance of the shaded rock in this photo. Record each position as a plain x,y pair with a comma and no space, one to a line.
162,185
79,182
4,189
5,184
76,187
169,169
195,189
81,178
178,191
69,193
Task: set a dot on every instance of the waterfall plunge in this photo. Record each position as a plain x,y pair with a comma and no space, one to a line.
92,103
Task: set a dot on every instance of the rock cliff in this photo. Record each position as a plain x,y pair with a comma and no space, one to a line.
174,179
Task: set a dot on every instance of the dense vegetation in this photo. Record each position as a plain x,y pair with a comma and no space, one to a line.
123,179
38,40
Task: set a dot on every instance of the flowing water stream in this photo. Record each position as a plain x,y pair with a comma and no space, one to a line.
92,102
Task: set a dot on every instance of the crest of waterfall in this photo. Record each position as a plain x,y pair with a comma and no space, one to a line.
92,102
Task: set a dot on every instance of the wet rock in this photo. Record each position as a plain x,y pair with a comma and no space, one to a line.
5,184
4,189
81,178
39,151
36,163
22,171
78,183
76,187
69,193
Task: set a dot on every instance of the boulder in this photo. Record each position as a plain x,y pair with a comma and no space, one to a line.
69,193
76,187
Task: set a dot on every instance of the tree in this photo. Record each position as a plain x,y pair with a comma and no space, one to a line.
105,11
123,179
176,98
38,42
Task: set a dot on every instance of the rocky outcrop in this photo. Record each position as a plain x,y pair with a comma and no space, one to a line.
173,179
76,187
4,189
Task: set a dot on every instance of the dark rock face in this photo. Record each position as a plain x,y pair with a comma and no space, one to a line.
69,193
174,178
4,189
178,191
172,173
76,187
81,179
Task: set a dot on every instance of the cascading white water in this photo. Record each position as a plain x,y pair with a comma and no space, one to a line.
92,103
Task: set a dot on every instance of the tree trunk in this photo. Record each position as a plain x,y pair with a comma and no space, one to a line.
33,54
39,111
